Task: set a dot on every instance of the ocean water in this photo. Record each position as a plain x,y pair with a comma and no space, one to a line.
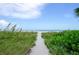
45,30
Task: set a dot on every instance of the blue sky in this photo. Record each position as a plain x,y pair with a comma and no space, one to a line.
43,16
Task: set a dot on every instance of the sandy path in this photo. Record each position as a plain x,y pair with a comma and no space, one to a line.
39,48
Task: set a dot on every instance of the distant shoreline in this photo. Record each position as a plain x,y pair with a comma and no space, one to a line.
45,30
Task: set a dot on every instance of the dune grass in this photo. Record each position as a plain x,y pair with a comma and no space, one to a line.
16,42
62,43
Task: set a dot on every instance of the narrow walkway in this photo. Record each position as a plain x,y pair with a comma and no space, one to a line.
39,48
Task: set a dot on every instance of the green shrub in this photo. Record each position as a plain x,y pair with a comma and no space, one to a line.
66,42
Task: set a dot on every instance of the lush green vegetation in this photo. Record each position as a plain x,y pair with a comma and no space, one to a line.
16,42
62,43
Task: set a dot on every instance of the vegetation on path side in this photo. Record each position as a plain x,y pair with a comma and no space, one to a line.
62,43
16,42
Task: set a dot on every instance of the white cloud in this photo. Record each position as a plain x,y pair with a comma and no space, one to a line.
3,22
21,10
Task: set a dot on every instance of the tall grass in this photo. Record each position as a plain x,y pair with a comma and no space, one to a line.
63,43
14,42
